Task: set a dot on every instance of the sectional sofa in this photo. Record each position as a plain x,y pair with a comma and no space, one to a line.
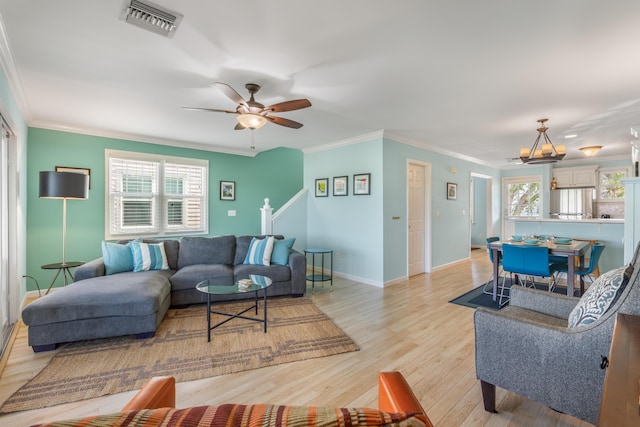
111,297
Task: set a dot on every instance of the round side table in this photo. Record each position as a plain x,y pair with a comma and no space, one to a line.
322,276
63,267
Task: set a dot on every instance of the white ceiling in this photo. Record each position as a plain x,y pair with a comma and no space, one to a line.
466,76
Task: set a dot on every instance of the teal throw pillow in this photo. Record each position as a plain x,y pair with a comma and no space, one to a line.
260,251
148,256
600,296
281,251
117,257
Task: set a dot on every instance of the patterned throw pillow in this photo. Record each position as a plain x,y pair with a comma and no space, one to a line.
260,251
148,256
247,415
600,296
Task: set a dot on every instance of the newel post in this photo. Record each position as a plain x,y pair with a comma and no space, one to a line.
267,211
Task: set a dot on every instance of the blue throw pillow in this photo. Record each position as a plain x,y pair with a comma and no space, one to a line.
117,257
281,251
260,251
148,256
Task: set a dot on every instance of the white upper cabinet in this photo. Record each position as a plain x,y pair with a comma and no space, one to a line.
583,176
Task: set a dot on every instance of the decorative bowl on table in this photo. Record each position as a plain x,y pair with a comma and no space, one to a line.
531,241
517,238
563,240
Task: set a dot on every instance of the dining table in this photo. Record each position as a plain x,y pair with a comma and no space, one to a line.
574,250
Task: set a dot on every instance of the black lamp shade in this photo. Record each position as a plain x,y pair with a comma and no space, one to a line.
64,185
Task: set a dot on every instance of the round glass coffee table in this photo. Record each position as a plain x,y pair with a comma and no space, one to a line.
235,285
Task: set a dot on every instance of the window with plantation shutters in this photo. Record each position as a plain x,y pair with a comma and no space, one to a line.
155,195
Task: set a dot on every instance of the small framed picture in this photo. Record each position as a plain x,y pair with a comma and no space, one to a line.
322,187
227,190
340,185
452,191
362,184
84,171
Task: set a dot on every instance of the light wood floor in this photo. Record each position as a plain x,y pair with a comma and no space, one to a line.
409,327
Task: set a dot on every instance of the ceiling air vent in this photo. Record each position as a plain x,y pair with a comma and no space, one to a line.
152,17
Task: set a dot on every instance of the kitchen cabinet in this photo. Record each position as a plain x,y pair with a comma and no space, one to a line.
583,176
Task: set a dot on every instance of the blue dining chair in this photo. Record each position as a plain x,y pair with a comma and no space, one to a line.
587,271
528,261
488,287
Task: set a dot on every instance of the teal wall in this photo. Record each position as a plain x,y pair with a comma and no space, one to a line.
276,174
450,218
371,246
343,224
350,225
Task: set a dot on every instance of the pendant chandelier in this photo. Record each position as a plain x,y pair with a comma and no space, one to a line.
546,153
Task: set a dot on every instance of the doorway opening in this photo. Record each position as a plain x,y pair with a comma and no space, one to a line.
481,210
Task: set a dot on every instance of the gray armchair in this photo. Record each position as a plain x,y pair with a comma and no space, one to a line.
529,349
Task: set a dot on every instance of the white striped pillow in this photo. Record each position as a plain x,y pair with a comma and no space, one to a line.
260,251
149,256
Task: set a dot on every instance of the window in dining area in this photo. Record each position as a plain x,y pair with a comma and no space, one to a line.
524,199
610,185
610,192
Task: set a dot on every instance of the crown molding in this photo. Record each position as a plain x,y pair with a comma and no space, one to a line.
148,140
397,138
418,144
343,143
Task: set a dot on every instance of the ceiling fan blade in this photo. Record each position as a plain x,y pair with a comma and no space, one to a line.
231,93
296,104
284,122
215,110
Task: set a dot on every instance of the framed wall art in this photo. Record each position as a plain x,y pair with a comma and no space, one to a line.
452,191
340,185
322,187
84,171
227,190
362,184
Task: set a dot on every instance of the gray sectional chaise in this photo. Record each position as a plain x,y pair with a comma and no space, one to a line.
134,303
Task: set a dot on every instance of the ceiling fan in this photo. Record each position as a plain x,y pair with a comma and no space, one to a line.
254,115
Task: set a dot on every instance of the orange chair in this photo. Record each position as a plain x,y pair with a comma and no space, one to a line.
394,395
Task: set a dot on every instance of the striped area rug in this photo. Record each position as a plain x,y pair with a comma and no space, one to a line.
296,330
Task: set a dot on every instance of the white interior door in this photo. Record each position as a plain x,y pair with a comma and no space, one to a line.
416,218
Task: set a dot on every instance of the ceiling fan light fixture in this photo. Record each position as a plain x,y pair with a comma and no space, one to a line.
252,121
546,152
591,150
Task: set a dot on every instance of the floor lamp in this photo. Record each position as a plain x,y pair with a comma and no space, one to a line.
64,185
